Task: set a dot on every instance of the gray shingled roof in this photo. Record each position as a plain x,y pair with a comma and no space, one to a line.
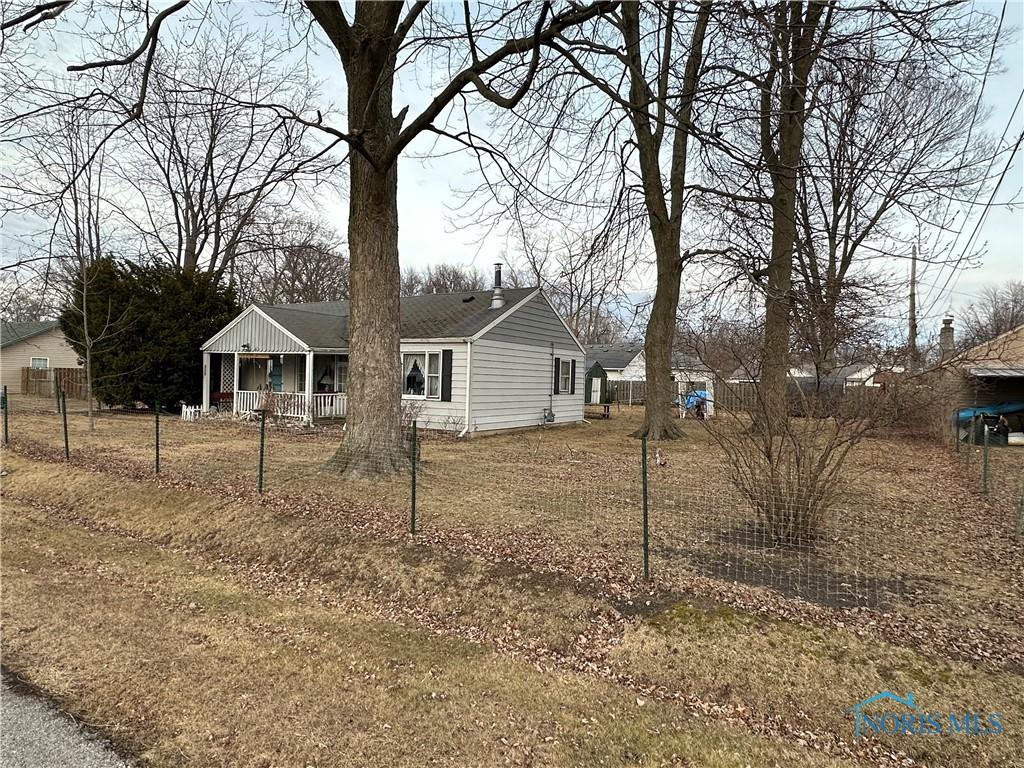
615,357
12,333
324,325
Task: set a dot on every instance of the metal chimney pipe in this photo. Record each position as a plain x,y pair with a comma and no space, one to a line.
498,299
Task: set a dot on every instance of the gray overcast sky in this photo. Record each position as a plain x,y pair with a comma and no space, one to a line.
429,221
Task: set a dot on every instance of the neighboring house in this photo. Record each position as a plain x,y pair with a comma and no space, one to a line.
477,361
37,344
627,362
851,375
989,373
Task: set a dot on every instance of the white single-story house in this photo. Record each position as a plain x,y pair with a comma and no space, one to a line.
471,362
627,362
39,345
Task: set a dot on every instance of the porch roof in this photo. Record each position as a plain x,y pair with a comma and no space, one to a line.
324,325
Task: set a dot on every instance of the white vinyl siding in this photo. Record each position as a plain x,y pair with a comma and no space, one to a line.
534,323
512,385
258,332
440,414
636,370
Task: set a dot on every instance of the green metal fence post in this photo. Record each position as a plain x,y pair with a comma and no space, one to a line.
970,447
263,435
412,512
643,466
956,431
64,417
984,458
1020,517
157,411
7,408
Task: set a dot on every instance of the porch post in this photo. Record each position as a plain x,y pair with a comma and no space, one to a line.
309,384
234,399
206,382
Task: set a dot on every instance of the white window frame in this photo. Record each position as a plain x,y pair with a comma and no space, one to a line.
426,375
565,376
340,382
46,367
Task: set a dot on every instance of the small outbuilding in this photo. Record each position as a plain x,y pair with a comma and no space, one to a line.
627,362
596,385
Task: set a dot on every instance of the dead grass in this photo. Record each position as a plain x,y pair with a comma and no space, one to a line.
910,534
183,664
84,552
814,674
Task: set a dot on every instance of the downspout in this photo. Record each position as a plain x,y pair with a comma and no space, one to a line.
469,384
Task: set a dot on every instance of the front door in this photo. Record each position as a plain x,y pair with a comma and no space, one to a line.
276,373
595,390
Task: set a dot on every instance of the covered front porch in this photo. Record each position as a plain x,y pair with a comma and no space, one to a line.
309,385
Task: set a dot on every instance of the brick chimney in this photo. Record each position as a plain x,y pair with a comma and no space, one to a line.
946,339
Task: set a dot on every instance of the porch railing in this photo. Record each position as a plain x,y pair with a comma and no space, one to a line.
293,404
329,405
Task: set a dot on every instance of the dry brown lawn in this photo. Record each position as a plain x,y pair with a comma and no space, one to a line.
522,590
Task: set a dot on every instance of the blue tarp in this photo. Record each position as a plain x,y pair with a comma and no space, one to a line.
693,397
1000,409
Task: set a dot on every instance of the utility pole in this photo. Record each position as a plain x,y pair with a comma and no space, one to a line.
914,359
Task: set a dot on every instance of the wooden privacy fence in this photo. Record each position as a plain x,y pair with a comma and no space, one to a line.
45,381
740,396
628,392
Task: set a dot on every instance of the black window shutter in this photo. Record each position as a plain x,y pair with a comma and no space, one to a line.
572,378
558,367
446,375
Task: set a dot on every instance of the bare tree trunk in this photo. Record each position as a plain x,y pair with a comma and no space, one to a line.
775,365
798,48
664,206
373,445
659,422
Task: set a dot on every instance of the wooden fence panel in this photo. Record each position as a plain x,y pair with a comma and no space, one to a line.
628,392
40,381
740,396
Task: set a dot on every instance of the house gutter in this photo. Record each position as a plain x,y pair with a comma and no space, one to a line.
469,385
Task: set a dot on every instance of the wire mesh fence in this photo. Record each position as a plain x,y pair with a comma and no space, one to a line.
591,502
993,468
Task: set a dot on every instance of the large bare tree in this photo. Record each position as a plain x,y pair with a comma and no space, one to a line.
207,158
493,51
617,134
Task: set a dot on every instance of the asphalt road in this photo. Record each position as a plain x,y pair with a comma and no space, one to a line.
33,734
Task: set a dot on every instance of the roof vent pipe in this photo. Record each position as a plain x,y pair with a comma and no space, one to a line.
498,299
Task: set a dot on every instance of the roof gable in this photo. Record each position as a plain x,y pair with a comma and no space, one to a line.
13,333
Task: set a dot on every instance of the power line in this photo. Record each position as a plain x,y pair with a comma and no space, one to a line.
981,219
974,202
970,131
